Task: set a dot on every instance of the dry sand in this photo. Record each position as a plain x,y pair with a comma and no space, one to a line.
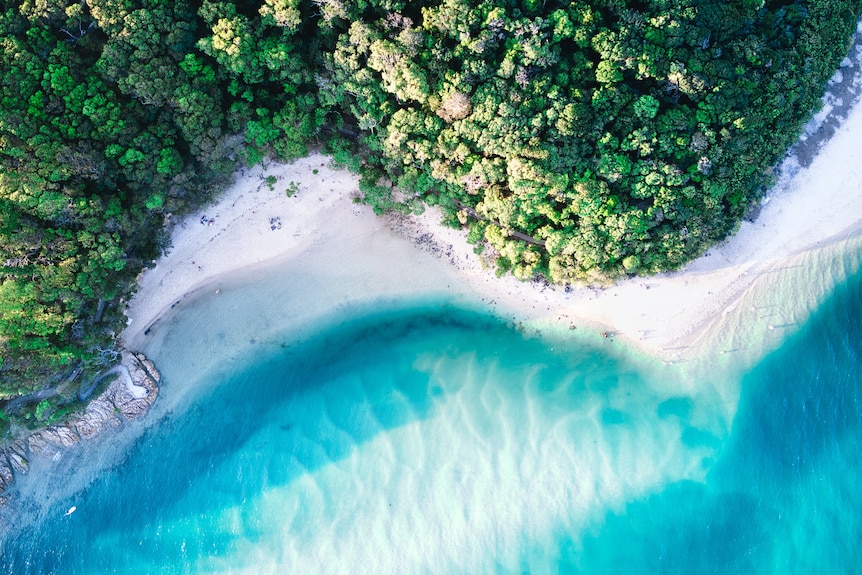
813,209
252,223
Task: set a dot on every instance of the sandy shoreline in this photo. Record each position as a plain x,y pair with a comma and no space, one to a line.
252,223
809,216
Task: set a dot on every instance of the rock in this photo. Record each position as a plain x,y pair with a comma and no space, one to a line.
128,397
133,409
17,454
129,406
136,391
61,436
150,376
99,416
49,441
38,444
6,475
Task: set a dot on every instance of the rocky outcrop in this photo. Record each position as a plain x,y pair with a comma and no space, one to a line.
141,379
6,476
62,436
128,397
98,416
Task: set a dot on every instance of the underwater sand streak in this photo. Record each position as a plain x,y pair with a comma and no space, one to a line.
504,456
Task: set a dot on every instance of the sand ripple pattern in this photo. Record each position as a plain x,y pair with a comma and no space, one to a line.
501,467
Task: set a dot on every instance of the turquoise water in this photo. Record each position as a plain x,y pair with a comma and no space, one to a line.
433,439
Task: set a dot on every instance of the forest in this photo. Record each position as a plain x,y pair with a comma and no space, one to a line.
576,141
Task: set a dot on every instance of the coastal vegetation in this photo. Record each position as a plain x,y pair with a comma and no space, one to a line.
579,141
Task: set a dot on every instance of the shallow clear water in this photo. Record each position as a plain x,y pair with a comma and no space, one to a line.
433,439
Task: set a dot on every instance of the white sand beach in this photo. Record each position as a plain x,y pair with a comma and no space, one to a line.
809,217
253,222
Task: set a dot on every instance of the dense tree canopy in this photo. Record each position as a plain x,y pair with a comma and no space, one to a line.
578,140
583,140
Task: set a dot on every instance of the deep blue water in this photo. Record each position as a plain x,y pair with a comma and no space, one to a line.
431,439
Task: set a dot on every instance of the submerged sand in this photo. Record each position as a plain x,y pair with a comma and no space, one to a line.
786,260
